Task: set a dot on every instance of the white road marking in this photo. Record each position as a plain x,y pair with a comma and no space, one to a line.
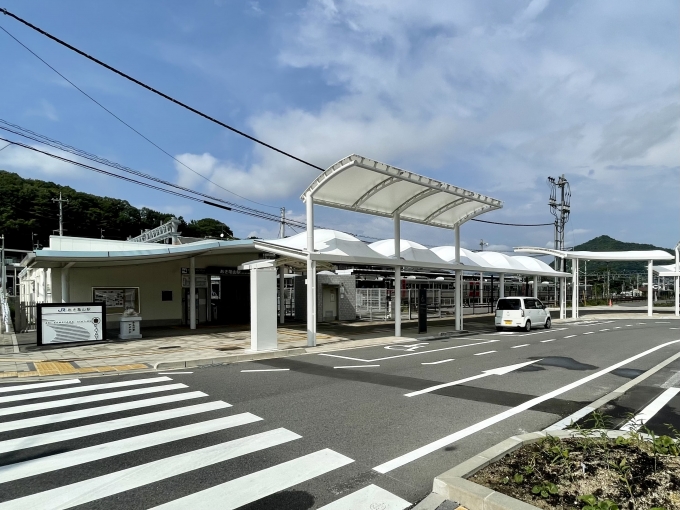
642,323
368,498
40,406
673,328
22,387
518,346
438,362
607,329
660,322
483,353
99,487
551,340
268,370
648,412
107,426
410,353
485,373
628,325
617,327
246,489
64,460
97,411
588,332
457,436
173,373
570,336
80,389
357,366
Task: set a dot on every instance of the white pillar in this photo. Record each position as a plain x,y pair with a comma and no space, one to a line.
501,285
192,293
263,309
396,303
65,283
282,294
459,284
650,290
481,287
677,280
536,286
311,275
574,288
563,298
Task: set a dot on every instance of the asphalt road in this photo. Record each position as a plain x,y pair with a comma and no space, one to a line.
375,424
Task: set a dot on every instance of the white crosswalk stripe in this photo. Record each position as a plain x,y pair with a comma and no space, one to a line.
39,453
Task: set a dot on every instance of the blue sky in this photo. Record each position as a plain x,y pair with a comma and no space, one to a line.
492,96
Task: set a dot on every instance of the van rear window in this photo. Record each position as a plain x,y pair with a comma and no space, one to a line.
509,304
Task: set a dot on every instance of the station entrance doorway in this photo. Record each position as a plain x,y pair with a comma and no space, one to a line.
222,296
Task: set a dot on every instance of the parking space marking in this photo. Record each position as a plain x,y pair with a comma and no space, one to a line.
437,362
607,329
570,336
551,340
518,346
588,332
472,429
483,353
410,353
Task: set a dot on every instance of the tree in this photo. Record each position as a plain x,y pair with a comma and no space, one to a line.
206,227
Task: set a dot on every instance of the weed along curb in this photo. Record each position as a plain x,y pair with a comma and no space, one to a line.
453,484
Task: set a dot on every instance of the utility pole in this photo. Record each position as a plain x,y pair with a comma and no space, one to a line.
282,227
61,213
4,273
36,246
560,210
101,233
482,244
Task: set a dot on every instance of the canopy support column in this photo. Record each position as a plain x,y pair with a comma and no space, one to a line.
282,294
192,293
481,288
501,286
311,275
650,290
396,302
536,286
459,284
574,288
65,282
677,280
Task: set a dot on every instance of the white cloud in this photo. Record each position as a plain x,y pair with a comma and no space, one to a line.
44,109
30,163
491,99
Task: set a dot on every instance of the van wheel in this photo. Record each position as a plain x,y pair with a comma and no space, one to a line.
548,323
527,326
499,328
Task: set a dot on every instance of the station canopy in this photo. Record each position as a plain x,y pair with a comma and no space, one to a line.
335,247
645,255
666,271
360,184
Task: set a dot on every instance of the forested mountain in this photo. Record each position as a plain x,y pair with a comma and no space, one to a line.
606,243
28,215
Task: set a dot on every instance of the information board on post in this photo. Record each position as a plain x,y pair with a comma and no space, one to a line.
65,323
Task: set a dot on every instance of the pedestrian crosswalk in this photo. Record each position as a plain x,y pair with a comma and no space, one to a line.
71,447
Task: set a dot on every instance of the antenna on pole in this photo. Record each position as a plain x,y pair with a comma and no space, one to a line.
482,244
282,227
61,213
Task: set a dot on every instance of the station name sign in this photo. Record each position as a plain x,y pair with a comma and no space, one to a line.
65,323
216,270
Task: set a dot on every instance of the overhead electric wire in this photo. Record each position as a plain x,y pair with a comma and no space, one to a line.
128,125
183,105
158,92
37,137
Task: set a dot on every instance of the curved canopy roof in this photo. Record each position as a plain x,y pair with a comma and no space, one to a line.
599,255
340,248
360,184
666,271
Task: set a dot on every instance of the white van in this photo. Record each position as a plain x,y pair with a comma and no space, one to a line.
521,312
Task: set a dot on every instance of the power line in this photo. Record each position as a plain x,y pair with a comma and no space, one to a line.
158,92
126,124
512,224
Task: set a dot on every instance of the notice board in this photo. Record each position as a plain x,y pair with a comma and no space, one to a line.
62,323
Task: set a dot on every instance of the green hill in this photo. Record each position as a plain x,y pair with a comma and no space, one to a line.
606,243
26,208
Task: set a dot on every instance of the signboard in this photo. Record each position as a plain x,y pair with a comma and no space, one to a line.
117,299
201,281
63,323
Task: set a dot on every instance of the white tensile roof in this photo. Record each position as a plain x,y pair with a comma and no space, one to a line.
666,271
599,255
341,248
361,184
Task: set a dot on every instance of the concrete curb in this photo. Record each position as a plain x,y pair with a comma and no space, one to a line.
453,484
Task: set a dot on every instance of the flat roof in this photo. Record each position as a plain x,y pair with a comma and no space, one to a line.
360,184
